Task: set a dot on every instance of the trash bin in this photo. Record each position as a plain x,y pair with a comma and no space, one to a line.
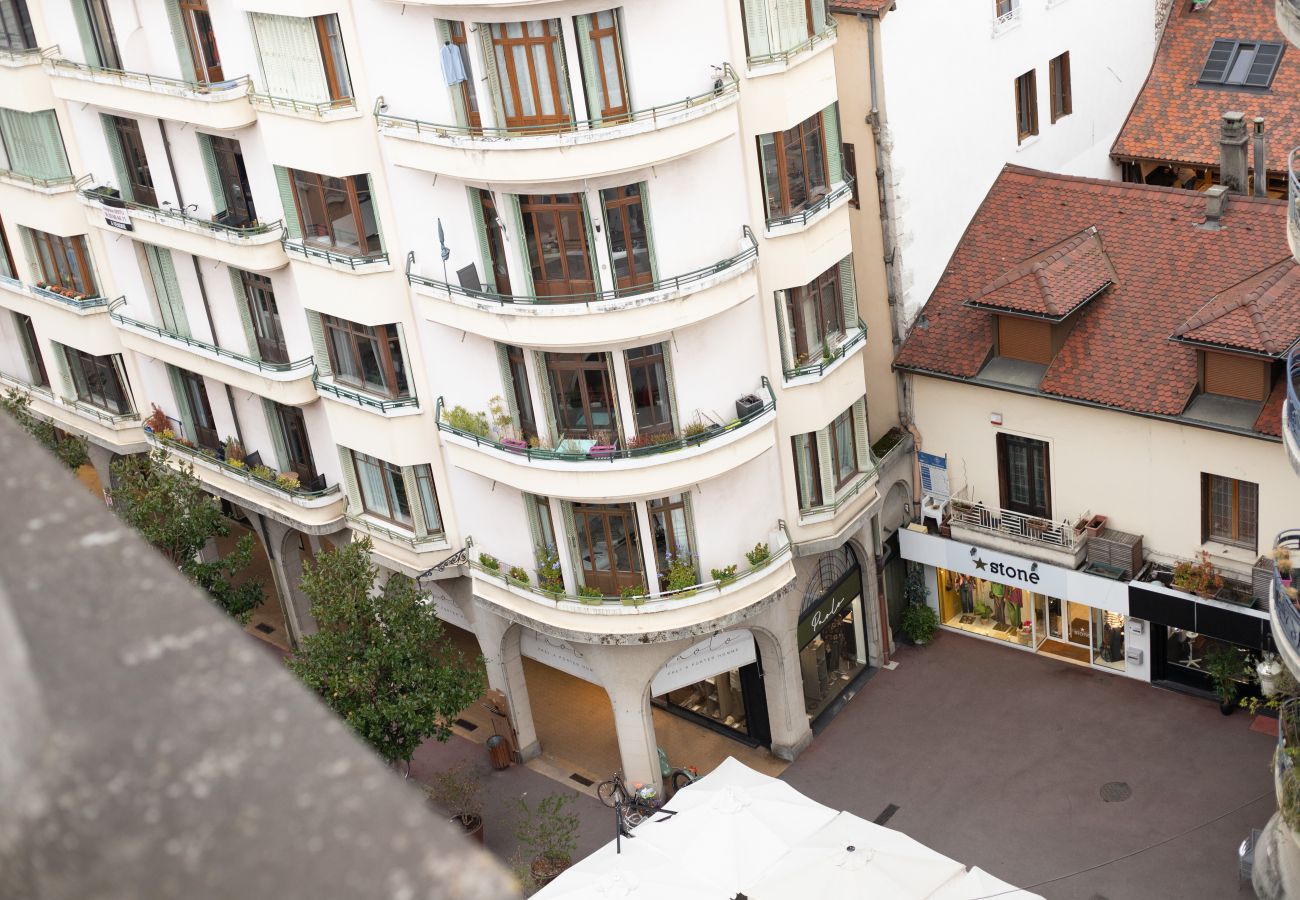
498,752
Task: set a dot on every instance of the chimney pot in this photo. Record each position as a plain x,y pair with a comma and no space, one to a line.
1216,202
1261,160
1233,164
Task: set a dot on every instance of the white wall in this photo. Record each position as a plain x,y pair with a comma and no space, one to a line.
950,107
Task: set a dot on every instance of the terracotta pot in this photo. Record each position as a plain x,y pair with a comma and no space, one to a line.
473,828
545,870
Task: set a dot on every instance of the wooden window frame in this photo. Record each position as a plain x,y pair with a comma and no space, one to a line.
136,160
393,483
661,509
385,340
560,364
1004,7
474,117
270,346
649,357
338,78
803,135
31,346
7,254
515,362
290,419
553,43
191,10
52,250
206,435
1058,71
844,420
1240,533
300,180
826,293
584,513
233,175
1004,442
537,212
1026,114
815,496
103,371
596,34
618,204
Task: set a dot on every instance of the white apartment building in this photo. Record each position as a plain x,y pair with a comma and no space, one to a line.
553,300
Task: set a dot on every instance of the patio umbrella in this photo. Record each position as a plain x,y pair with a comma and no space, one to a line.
977,885
639,872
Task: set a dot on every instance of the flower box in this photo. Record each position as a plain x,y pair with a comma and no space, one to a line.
514,444
601,451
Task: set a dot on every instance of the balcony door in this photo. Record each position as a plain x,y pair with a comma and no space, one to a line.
629,239
609,547
196,400
293,425
529,59
16,26
1024,475
555,231
582,394
265,316
202,41
31,350
102,51
466,88
235,191
139,186
496,252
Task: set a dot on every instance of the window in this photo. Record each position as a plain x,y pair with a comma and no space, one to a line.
851,170
774,27
1024,475
1229,511
555,230
844,449
1235,375
1026,105
1249,64
468,98
1005,7
519,387
794,167
366,357
648,380
236,200
202,41
139,181
336,62
609,548
16,26
582,393
265,317
607,62
98,380
1059,76
428,498
529,58
33,144
195,399
671,533
629,240
303,59
31,350
102,50
336,213
383,492
816,314
64,261
807,469
297,446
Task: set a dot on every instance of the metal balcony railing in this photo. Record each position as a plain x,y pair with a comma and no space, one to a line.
502,572
170,216
665,285
802,216
782,56
43,183
834,354
1291,421
369,401
727,84
408,538
844,494
300,107
231,88
1284,606
28,56
1012,524
308,251
669,444
243,473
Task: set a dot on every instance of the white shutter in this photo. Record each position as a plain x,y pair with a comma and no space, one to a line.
757,31
792,23
289,52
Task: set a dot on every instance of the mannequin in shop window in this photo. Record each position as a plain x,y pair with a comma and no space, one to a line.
998,593
966,590
1015,600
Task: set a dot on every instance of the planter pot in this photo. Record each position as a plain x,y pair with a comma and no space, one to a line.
515,445
1096,525
748,405
601,451
545,870
473,828
1228,707
1268,673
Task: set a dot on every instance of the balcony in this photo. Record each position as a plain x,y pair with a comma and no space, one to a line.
1058,543
795,222
659,616
812,371
1283,611
288,383
333,137
772,63
255,247
407,551
1288,19
23,82
781,94
586,471
353,264
831,520
575,151
382,405
61,299
1291,410
223,106
1007,20
45,204
120,432
596,319
316,511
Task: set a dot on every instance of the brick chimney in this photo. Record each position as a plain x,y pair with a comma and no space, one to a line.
1232,152
1261,161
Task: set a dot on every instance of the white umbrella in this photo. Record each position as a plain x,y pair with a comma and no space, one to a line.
578,884
733,786
978,884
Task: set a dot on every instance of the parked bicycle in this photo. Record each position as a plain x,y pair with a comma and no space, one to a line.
676,778
634,805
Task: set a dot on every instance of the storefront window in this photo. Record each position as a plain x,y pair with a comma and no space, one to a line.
720,698
832,643
1108,639
986,607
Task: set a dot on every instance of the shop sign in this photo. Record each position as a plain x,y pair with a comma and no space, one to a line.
446,608
833,604
1040,578
557,654
719,653
117,217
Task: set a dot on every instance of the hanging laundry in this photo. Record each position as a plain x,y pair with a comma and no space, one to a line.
453,67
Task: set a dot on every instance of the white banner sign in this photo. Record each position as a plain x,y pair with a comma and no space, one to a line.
557,654
446,608
117,217
719,653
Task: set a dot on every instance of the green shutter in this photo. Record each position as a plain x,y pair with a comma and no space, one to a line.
35,271
694,548
849,294
834,150
825,464
672,386
861,435
119,161
757,33
245,315
182,402
560,57
209,157
534,526
181,40
413,498
350,482
792,23
379,225
34,144
571,538
406,358
819,16
289,53
171,306
591,82
457,96
292,224
544,383
803,465
65,371
620,433
120,368
318,348
508,383
88,44
491,73
591,244
277,435
521,242
783,331
480,228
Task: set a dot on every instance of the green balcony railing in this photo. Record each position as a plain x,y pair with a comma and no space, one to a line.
308,251
782,56
78,303
79,406
110,197
676,283
845,495
726,84
28,56
302,365
409,538
242,473
300,107
68,181
826,361
667,445
381,404
231,87
802,216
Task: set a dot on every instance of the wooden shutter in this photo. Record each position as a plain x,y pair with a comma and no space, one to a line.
667,349
289,52
591,244
1024,339
292,223
481,226
182,398
413,498
548,401
792,23
34,143
587,63
783,330
1205,507
176,23
89,48
167,289
861,435
209,157
1232,375
825,464
277,435
490,72
521,242
65,371
508,386
849,294
318,348
758,36
649,227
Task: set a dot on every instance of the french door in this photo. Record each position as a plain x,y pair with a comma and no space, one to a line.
529,57
265,316
196,398
609,548
294,428
101,34
629,239
555,231
139,179
1024,474
202,41
496,251
582,395
235,190
466,87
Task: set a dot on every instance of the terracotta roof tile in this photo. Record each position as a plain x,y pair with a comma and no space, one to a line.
1120,353
1260,315
1176,119
1054,283
861,5
1270,417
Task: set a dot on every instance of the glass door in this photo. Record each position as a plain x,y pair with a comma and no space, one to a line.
139,180
629,241
555,231
202,41
496,251
582,395
236,193
265,316
196,398
609,547
294,427
529,58
101,34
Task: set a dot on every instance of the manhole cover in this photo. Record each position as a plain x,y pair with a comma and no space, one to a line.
1116,791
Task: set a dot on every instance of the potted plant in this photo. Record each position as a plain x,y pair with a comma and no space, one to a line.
632,595
457,791
550,831
920,622
725,575
590,595
1267,670
157,422
549,576
759,556
517,574
1227,669
489,562
1096,525
748,405
1199,577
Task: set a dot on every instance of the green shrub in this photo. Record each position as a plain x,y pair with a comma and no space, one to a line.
759,555
518,574
461,419
725,575
681,572
920,622
488,561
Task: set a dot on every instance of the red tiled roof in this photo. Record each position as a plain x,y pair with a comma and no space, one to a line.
1270,417
861,5
1120,353
1259,315
1054,283
1176,119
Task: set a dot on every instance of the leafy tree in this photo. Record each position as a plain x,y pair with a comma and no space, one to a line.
381,658
170,508
69,449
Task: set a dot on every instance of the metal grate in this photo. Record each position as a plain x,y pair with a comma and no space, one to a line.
582,780
1116,791
466,724
887,814
264,628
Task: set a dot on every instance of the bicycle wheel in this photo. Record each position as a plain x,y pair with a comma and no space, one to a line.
634,816
678,779
608,792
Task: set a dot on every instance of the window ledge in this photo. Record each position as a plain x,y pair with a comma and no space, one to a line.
1006,23
1228,556
1028,142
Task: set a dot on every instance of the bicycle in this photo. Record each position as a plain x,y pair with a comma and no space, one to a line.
633,806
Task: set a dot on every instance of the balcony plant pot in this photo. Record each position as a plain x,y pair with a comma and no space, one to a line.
748,405
514,445
545,869
1268,669
1096,525
601,451
472,825
111,197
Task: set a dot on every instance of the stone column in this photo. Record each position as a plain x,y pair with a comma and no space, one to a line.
625,673
498,640
286,570
102,459
778,642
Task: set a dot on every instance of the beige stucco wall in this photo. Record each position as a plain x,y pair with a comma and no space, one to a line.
1142,473
854,82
